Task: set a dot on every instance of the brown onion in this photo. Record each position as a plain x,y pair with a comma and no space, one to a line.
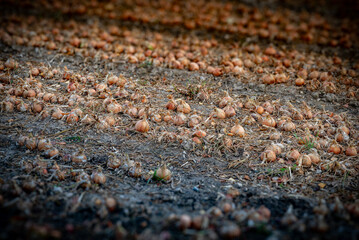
142,125
163,173
238,130
268,156
351,151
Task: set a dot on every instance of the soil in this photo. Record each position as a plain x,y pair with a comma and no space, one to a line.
206,180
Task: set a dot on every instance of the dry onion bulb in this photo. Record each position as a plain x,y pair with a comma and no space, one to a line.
269,121
179,119
293,154
276,148
218,113
335,148
238,130
229,111
31,143
351,151
171,104
226,100
194,120
304,161
79,157
52,152
98,177
183,107
135,170
200,133
142,125
44,144
315,158
163,173
268,156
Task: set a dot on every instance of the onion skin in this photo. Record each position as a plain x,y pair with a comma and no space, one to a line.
163,173
293,155
238,130
268,156
219,113
314,158
351,151
98,177
183,107
142,126
335,148
78,157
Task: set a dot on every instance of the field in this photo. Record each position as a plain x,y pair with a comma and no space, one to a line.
179,119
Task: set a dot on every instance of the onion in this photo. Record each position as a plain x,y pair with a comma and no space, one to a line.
260,110
157,118
111,203
202,95
185,222
142,126
219,113
171,105
293,155
114,107
269,121
194,120
226,100
79,157
121,81
193,66
229,111
31,143
98,177
304,161
351,151
132,111
297,116
52,152
200,133
22,107
289,126
84,179
197,140
275,136
344,129
314,158
299,82
87,119
34,71
183,107
72,118
238,130
268,156
112,80
37,107
268,79
22,140
44,144
11,64
334,148
179,119
113,162
163,173
167,118
135,170
275,148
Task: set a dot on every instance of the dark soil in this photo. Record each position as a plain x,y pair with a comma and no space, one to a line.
201,183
